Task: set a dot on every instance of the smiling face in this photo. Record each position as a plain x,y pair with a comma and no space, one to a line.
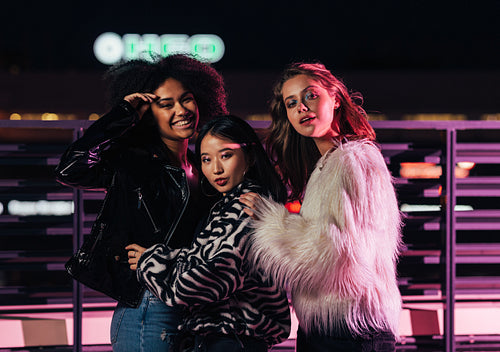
175,111
310,108
223,162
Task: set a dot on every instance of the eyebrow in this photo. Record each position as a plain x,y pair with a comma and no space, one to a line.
225,149
306,88
170,98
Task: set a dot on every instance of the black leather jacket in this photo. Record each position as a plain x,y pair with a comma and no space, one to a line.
147,200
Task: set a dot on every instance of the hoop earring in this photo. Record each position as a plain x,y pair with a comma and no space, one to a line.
203,186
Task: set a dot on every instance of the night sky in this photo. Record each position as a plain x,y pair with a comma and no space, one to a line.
263,35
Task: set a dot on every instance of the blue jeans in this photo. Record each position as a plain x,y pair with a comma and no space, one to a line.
151,327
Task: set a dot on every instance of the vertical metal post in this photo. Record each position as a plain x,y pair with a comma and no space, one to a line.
78,217
449,317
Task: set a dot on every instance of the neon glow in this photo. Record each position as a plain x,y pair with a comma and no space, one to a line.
110,48
41,207
409,208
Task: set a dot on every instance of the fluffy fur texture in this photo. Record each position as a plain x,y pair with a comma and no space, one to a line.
338,256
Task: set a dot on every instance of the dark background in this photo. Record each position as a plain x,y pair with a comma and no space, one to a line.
404,56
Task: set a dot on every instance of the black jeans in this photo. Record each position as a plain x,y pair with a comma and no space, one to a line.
228,343
369,342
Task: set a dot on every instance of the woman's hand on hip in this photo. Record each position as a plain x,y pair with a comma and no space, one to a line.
134,253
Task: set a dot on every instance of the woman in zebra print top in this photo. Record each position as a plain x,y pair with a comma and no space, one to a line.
229,306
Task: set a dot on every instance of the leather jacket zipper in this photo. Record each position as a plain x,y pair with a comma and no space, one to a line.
143,203
174,226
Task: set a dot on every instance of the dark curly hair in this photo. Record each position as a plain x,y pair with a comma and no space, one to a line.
144,75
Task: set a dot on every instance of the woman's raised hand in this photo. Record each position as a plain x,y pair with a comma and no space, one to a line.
251,200
141,101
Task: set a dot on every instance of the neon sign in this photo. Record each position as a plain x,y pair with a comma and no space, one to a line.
110,48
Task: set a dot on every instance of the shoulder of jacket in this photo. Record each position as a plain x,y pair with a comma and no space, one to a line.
250,186
356,147
358,144
232,209
349,154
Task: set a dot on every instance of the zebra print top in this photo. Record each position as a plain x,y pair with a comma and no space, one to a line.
214,281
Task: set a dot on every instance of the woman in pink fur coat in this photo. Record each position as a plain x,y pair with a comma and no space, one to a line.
338,255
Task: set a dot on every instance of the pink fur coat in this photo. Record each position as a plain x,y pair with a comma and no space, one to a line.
338,256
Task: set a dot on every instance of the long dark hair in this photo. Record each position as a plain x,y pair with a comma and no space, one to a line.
296,155
260,170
